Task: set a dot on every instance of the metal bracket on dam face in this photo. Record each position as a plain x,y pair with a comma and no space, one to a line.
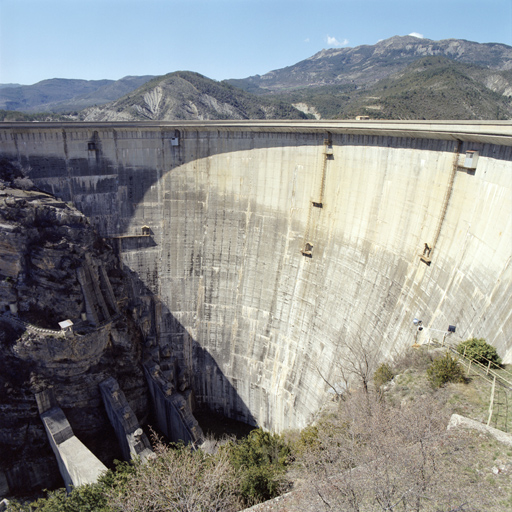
428,251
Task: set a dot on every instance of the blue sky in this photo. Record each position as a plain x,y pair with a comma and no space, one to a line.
96,39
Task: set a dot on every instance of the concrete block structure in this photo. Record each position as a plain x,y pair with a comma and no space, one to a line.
132,440
77,464
270,247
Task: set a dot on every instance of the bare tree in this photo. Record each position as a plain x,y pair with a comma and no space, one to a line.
379,457
358,358
180,480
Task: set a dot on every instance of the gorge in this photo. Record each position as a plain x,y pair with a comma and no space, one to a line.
260,252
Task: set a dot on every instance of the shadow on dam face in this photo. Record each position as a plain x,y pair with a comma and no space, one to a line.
270,253
212,389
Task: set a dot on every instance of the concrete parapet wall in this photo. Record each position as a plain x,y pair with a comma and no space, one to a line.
258,324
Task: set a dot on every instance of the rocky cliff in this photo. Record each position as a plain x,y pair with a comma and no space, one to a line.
54,267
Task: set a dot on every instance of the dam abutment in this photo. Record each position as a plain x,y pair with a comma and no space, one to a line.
260,251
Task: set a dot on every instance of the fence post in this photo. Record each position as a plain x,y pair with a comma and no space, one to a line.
488,368
492,400
469,367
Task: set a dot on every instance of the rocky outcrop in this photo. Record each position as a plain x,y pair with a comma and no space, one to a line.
461,422
45,246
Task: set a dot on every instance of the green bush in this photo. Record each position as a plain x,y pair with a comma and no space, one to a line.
85,498
383,374
479,350
307,440
443,370
261,458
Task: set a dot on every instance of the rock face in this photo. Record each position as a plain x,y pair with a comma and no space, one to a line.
45,245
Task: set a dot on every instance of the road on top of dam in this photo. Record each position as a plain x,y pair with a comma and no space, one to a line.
493,132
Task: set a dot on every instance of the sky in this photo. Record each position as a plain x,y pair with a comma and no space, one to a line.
221,39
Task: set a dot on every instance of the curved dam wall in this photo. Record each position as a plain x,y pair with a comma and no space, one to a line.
271,250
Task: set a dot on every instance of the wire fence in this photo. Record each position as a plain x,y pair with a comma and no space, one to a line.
493,374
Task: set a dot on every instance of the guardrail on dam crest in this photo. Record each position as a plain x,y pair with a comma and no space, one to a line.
263,251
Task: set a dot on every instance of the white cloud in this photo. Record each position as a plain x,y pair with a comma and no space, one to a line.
416,34
332,41
306,40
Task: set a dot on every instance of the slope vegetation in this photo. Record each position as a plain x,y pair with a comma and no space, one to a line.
187,95
429,88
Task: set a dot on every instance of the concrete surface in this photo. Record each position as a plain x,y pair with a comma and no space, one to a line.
458,421
77,464
256,323
172,412
132,440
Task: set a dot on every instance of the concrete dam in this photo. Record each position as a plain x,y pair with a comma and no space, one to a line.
263,252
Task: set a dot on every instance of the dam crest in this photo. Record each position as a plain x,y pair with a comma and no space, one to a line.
261,252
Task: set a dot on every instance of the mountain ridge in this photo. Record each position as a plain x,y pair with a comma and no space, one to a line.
65,94
433,87
466,80
366,64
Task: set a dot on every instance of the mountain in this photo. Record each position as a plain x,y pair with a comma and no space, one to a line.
188,95
4,86
59,94
428,88
403,77
367,64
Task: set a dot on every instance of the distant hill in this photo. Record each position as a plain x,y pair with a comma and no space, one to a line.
367,64
429,88
60,95
188,95
3,86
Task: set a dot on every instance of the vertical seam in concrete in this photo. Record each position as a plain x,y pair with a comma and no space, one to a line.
66,163
448,195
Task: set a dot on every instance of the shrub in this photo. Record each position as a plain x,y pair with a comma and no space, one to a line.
86,498
178,478
479,350
308,439
443,370
383,374
261,458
